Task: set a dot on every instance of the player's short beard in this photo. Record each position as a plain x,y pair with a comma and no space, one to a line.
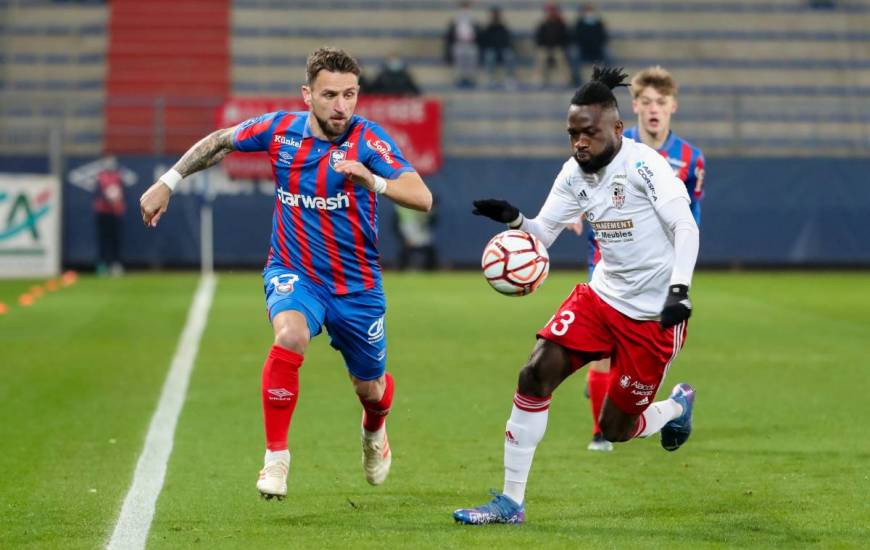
324,126
597,162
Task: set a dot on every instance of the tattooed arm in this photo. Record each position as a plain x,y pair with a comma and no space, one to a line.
208,151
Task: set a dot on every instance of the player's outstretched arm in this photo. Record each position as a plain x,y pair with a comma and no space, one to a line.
502,211
676,215
497,210
407,190
206,152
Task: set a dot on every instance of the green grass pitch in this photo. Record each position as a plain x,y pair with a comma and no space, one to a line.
780,455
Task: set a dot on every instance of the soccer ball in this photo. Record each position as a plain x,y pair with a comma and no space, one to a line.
515,263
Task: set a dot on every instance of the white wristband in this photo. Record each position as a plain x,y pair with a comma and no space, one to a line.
380,186
517,223
171,178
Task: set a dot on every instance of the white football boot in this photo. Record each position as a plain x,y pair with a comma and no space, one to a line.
376,457
273,479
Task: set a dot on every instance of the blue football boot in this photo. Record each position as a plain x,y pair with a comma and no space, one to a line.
501,509
677,431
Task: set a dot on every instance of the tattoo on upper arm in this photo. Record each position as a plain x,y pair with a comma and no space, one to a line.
207,152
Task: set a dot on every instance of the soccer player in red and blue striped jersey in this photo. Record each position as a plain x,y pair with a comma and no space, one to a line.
654,101
323,265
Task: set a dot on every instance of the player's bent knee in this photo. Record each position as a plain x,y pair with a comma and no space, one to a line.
291,339
548,366
369,390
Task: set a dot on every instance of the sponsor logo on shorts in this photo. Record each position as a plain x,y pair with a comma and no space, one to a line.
624,381
376,331
283,284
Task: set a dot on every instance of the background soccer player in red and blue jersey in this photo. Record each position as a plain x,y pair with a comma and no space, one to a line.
654,101
322,269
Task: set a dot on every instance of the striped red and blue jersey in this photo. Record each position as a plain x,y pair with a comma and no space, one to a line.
323,226
686,160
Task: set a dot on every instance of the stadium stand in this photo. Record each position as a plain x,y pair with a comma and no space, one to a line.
52,70
759,78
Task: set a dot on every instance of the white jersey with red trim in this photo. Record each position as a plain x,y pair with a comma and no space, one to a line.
620,203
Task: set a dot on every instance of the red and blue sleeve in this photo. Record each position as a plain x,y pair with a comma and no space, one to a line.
697,174
255,134
381,155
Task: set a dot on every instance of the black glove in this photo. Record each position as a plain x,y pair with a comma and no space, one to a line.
495,209
678,306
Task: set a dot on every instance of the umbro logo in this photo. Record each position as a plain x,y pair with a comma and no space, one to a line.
280,394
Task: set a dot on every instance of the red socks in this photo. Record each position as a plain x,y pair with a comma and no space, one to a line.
597,383
280,392
376,411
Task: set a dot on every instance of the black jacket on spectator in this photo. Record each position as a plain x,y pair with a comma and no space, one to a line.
496,36
552,33
592,38
392,81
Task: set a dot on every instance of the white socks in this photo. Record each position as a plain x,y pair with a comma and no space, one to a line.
283,456
523,432
657,415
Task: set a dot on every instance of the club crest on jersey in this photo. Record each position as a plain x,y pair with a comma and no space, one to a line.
618,196
336,156
624,381
284,283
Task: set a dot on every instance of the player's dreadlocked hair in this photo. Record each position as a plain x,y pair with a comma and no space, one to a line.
333,60
598,90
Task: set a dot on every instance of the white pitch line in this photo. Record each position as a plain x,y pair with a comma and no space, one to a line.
134,522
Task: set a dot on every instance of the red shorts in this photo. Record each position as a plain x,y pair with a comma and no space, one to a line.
640,351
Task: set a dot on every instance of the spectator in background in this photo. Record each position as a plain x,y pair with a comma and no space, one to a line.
416,236
553,40
590,37
394,79
461,46
497,49
109,210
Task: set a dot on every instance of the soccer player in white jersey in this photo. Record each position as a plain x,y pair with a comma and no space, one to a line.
635,308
